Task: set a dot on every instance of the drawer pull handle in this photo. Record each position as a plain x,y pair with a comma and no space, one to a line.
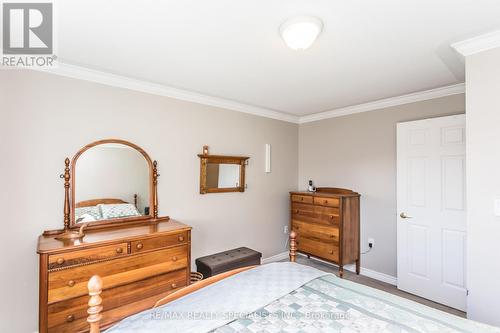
296,211
119,250
331,251
60,261
174,258
181,238
139,246
326,201
70,318
174,286
332,216
71,283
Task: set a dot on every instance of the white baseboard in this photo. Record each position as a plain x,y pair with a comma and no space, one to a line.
352,268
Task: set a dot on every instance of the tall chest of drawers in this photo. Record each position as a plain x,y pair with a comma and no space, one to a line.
327,225
138,265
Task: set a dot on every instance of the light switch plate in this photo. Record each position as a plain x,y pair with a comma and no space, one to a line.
497,207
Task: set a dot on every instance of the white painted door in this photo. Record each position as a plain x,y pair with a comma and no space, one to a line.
431,209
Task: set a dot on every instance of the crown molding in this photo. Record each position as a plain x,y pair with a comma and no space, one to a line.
387,102
478,44
83,73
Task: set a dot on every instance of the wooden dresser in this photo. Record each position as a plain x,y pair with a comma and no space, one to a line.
327,225
138,264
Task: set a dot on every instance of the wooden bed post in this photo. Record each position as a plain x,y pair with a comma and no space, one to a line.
293,246
95,301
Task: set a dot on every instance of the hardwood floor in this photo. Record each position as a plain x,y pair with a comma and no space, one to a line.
377,284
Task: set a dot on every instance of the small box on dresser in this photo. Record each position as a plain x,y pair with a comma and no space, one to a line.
139,265
327,225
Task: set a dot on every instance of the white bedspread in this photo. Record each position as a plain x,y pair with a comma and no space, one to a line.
222,302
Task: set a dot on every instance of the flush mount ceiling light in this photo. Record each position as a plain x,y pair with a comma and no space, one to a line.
300,33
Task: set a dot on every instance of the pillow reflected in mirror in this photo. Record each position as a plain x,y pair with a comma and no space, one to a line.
113,211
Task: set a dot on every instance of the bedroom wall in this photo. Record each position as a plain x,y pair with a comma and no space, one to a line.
483,185
359,152
45,118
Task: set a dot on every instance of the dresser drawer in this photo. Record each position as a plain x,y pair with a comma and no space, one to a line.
326,250
329,202
315,231
87,256
327,215
302,198
67,314
72,282
158,242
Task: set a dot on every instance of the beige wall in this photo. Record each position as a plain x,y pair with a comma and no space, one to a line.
359,152
483,185
45,118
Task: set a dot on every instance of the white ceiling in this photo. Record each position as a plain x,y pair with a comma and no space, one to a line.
231,49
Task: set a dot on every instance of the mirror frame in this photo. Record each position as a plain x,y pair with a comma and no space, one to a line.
153,192
220,159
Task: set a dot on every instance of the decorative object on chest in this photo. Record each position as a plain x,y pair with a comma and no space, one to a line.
111,228
326,223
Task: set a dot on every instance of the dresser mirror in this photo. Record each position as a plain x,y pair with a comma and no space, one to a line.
112,181
108,183
219,174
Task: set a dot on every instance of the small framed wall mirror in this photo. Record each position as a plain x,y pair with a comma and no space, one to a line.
108,183
220,174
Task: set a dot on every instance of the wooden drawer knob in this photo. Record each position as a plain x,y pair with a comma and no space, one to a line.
301,198
332,216
70,318
139,246
60,261
331,251
71,283
119,250
174,258
181,238
174,285
326,201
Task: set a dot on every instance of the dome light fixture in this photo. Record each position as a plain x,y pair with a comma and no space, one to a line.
299,33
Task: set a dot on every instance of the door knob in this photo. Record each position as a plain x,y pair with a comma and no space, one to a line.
404,216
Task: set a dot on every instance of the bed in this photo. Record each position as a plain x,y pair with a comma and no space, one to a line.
282,297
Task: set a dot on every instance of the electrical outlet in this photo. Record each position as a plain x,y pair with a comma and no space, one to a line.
285,229
371,241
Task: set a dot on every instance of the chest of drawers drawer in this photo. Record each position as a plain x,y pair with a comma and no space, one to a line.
302,198
315,231
329,202
321,249
72,282
159,242
87,256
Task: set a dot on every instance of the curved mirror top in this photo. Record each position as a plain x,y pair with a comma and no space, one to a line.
111,181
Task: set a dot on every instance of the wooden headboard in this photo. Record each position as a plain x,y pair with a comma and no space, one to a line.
105,201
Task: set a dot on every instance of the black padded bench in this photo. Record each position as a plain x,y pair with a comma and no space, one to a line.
227,260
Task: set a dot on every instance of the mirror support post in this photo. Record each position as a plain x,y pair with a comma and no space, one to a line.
155,189
66,176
